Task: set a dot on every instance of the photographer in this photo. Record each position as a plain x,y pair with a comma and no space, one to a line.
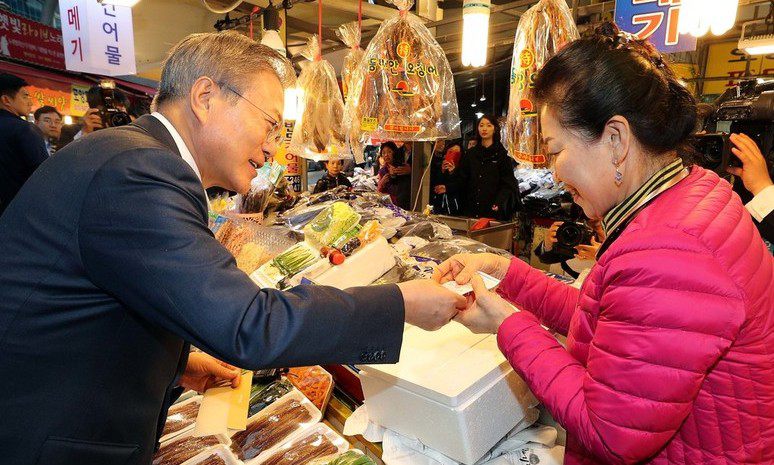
104,101
754,174
550,252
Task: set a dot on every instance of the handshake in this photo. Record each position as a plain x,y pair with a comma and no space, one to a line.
430,306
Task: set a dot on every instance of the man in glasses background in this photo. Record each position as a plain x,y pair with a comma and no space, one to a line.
109,271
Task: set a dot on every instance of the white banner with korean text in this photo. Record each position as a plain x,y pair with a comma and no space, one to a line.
97,38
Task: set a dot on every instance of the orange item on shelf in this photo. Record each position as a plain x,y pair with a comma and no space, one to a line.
314,382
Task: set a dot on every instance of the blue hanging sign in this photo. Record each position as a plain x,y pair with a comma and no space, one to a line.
656,21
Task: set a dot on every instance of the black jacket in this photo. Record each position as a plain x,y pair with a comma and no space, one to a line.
108,271
22,150
328,182
485,178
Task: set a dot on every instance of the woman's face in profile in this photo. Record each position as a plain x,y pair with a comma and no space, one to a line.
585,167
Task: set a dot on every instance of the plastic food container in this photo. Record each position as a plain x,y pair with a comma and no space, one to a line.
218,455
314,443
165,456
314,382
456,391
274,425
181,417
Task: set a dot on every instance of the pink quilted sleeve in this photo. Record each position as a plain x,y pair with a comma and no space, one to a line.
666,317
531,290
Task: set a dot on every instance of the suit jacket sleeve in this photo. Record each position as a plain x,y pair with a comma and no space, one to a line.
31,146
767,227
144,239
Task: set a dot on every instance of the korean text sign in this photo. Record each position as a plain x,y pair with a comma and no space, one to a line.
29,41
656,21
97,38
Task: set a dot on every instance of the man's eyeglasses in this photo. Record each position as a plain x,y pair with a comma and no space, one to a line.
275,133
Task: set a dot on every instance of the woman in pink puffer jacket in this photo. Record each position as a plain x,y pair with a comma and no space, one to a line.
670,340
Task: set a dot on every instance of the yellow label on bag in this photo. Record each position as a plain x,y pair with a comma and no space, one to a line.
368,124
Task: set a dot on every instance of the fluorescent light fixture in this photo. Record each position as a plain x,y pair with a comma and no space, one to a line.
473,105
756,44
475,31
698,17
126,3
479,115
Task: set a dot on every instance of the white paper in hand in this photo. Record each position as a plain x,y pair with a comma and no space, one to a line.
466,289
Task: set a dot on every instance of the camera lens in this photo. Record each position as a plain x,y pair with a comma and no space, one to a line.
119,118
569,234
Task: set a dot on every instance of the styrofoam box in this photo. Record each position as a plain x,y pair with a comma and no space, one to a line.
291,444
452,389
222,439
173,409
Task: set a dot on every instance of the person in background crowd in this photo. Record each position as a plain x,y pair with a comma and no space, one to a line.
758,190
586,254
668,357
395,175
92,120
484,180
446,158
108,271
49,121
22,148
334,178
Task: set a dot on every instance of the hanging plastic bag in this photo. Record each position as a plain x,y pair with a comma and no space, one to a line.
406,90
320,133
350,34
543,30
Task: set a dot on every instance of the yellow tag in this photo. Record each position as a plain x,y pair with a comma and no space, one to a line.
224,409
368,124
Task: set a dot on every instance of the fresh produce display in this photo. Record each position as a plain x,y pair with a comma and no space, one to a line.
314,382
335,221
543,30
181,416
406,88
303,451
180,450
266,431
350,34
295,259
351,457
262,396
320,133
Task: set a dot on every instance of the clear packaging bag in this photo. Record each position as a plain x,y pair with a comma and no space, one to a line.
320,133
406,90
349,33
543,30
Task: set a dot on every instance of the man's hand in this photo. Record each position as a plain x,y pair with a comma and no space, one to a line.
754,173
447,166
429,305
550,239
487,312
440,189
588,252
462,267
204,372
91,121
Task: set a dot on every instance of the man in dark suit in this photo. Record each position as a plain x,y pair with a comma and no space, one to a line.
756,189
108,271
22,148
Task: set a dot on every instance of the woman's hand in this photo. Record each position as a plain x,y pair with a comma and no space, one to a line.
448,166
440,189
754,173
588,252
400,170
487,312
203,372
462,267
550,239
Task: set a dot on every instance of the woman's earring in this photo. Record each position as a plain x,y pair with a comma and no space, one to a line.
618,174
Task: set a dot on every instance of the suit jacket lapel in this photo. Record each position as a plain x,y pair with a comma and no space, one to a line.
157,130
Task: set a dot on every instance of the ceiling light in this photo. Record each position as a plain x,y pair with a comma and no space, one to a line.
67,120
473,105
126,3
475,31
761,43
479,115
698,17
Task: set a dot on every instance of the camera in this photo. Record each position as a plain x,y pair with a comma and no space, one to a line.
748,109
109,112
570,235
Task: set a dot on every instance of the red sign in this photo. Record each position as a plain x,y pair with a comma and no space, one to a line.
26,40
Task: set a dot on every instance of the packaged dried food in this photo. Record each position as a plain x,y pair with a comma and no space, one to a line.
319,441
314,382
320,133
543,30
295,259
181,448
180,417
406,91
273,425
331,224
218,455
264,396
349,33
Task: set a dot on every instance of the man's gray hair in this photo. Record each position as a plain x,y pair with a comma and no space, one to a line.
226,57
